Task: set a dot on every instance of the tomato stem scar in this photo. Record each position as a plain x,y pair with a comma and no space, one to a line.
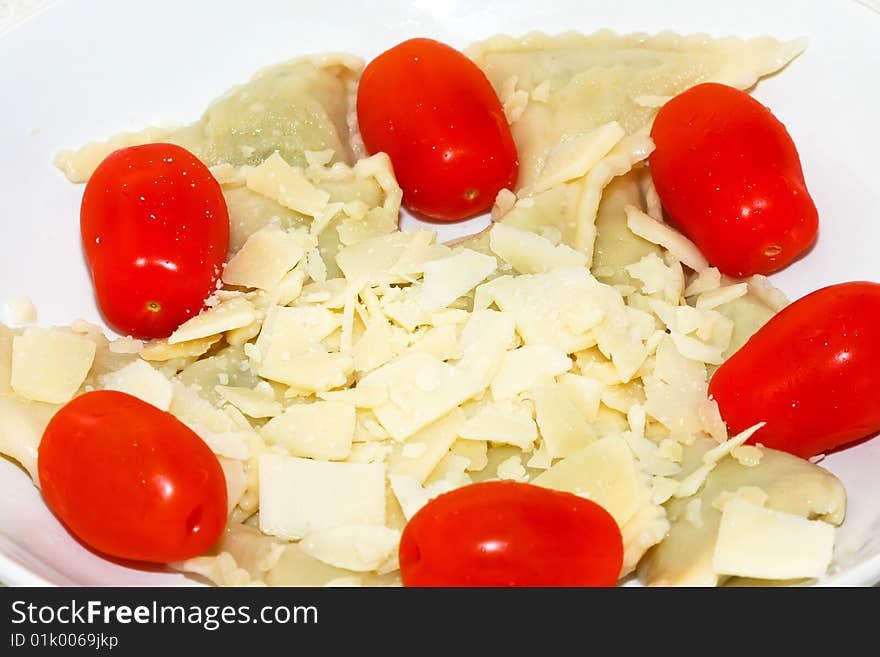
154,306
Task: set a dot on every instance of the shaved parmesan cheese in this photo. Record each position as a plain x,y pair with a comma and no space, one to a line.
126,345
626,398
562,426
315,266
695,480
319,430
327,214
359,548
433,443
230,314
475,451
367,427
441,342
502,422
332,294
574,157
676,391
651,460
299,496
371,259
374,452
412,450
289,345
315,371
763,289
447,279
657,277
290,286
20,310
604,471
585,393
379,344
529,253
22,424
719,296
484,341
450,316
504,202
405,311
526,367
266,257
512,469
421,389
622,337
747,455
711,420
236,481
717,453
540,459
410,494
662,488
677,244
758,542
450,470
276,179
360,397
254,402
49,365
557,308
705,281
161,350
143,381
231,444
695,350
671,450
421,250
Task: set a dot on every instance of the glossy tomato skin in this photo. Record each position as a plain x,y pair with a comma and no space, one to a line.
155,231
504,533
729,176
435,114
811,373
131,481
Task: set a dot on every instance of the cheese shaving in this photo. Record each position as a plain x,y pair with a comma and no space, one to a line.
677,244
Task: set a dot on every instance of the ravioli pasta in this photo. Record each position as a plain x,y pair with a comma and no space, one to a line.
571,84
298,106
361,371
777,481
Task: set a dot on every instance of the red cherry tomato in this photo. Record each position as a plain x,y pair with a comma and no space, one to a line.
130,480
437,117
810,373
503,533
155,231
729,175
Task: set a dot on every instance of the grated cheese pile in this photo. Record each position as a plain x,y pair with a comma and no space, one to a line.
347,373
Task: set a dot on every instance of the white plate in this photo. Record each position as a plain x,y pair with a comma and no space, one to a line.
85,69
